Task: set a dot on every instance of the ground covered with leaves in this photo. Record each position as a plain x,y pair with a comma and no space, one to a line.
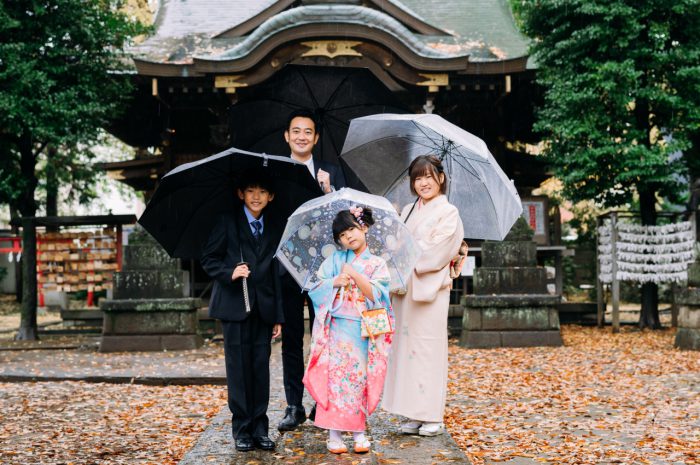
81,423
602,398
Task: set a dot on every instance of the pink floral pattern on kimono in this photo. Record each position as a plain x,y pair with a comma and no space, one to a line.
345,373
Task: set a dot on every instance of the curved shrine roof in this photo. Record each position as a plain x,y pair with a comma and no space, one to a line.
188,32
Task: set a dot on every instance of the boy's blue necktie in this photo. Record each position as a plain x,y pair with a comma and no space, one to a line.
257,225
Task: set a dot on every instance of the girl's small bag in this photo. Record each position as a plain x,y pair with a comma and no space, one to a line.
375,321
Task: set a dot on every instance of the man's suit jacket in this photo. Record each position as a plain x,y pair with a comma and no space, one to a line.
334,172
337,181
230,236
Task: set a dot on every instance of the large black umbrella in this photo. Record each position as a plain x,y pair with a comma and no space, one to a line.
335,95
181,212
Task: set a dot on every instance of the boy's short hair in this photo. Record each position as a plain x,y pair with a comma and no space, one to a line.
302,113
256,179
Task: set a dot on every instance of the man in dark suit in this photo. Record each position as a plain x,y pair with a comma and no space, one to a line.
301,135
242,245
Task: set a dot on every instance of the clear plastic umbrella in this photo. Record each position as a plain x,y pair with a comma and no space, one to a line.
379,149
308,237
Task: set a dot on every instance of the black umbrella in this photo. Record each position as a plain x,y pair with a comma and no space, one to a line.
181,212
335,95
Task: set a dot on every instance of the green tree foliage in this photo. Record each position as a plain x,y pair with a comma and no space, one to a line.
60,83
622,99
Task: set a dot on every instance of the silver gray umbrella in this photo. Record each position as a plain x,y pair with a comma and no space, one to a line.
379,148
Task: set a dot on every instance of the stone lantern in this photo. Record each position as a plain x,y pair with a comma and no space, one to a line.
510,306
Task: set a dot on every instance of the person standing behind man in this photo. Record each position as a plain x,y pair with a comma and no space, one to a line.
301,135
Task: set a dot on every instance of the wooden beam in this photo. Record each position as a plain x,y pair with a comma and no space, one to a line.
615,281
92,220
229,81
331,48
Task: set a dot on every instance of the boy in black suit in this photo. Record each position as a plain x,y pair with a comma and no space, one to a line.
242,245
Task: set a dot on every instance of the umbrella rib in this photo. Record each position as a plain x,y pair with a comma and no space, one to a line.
335,92
335,148
414,140
267,134
195,210
259,101
337,119
308,276
375,141
420,128
396,181
466,168
308,88
396,267
358,105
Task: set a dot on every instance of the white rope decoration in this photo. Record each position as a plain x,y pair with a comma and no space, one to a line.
644,254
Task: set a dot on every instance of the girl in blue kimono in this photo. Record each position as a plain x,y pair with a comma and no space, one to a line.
346,371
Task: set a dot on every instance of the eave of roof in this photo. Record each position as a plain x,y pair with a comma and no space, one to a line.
197,53
337,15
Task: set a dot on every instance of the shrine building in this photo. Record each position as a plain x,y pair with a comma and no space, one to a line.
209,64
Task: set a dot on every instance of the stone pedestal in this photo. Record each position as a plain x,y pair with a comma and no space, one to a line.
510,306
149,311
688,302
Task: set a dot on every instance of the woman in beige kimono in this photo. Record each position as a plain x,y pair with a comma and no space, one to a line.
416,381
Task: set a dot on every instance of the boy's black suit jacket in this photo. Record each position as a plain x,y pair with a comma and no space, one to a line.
230,236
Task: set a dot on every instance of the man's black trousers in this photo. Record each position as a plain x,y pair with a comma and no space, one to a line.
293,339
247,351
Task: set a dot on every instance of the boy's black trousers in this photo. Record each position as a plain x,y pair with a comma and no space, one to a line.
247,352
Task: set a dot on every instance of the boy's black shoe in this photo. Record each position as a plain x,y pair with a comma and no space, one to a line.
244,444
264,443
293,416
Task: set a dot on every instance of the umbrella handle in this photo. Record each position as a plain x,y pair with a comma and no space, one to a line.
244,282
246,299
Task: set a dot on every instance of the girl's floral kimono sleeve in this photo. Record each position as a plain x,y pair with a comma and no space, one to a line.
322,296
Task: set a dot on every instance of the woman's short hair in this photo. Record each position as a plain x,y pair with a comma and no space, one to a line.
427,165
345,220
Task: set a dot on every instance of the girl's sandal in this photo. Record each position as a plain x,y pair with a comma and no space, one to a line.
362,447
336,447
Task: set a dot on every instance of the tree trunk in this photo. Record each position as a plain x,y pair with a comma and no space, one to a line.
28,329
15,216
649,315
51,186
27,207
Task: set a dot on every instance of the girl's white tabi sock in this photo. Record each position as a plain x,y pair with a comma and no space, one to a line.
359,437
335,436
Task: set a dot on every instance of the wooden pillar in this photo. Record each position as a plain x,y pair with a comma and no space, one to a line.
192,282
559,272
599,288
120,252
675,288
615,282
